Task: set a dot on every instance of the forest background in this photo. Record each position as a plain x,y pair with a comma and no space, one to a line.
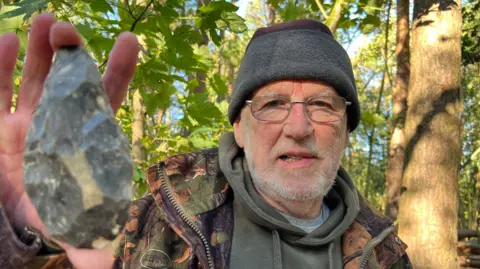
191,49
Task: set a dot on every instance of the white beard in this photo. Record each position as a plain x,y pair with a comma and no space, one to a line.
266,181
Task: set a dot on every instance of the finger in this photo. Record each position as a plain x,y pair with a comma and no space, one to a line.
89,258
8,55
39,59
26,215
121,68
64,34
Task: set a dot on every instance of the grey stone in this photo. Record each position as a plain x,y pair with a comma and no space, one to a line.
77,164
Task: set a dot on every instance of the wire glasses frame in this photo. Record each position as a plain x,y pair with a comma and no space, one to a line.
320,109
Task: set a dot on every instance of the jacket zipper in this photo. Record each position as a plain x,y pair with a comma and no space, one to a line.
183,215
371,245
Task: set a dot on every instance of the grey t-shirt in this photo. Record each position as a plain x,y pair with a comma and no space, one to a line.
308,225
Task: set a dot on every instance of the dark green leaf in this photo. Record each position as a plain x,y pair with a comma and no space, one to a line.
26,8
214,36
369,24
85,31
234,22
218,6
218,85
101,6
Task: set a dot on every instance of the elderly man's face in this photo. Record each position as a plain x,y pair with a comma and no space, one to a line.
296,159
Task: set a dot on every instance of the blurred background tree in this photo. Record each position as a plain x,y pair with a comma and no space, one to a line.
191,49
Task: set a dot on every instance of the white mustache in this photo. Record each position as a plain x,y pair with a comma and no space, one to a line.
308,146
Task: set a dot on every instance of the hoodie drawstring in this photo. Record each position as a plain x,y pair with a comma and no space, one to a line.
330,255
277,250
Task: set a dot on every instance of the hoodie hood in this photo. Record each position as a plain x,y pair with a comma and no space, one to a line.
342,200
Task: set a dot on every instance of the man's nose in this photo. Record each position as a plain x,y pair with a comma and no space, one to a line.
298,125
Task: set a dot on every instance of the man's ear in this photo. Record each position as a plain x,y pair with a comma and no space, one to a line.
347,137
347,134
238,132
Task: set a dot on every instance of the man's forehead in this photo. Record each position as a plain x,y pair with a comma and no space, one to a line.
291,87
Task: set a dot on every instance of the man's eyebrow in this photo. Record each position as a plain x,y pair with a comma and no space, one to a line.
270,92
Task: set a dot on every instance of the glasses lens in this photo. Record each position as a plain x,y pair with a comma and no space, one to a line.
326,108
270,108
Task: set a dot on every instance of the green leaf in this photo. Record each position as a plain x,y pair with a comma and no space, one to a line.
369,24
347,23
122,11
26,7
10,24
138,174
202,142
215,6
161,98
85,31
292,11
168,12
373,119
214,36
101,6
201,138
235,23
218,84
202,110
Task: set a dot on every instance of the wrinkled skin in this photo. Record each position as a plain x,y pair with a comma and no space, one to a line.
45,37
296,187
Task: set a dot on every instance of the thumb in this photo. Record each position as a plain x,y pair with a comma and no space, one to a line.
88,258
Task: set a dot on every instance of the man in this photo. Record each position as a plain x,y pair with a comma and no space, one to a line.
273,195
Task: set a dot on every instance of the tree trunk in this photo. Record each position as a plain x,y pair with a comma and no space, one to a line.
138,123
428,206
335,16
396,152
160,114
271,14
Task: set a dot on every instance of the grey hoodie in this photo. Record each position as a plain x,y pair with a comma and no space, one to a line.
263,238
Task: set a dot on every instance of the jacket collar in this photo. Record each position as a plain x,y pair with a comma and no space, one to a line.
199,186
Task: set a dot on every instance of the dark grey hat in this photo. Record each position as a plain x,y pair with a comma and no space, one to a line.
299,50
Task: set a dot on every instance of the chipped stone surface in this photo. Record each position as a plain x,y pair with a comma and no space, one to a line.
77,163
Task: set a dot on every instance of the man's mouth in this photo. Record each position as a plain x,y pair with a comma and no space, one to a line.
294,158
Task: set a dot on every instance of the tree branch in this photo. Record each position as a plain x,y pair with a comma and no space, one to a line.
335,16
132,28
322,10
137,20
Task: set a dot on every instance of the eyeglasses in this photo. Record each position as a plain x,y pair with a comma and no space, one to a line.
273,108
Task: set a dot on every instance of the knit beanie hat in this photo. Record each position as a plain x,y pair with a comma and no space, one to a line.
295,50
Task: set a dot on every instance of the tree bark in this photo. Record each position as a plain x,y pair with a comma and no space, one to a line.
138,152
335,16
428,206
396,152
271,14
332,19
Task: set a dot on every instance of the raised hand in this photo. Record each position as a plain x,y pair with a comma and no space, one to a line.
45,37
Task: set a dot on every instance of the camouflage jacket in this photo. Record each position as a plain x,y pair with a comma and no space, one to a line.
186,221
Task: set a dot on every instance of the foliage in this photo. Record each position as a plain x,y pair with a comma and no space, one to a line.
180,119
471,32
469,180
355,14
170,33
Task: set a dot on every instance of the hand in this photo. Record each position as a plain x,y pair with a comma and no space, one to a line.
46,36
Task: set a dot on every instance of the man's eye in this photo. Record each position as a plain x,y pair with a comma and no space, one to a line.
274,104
320,104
